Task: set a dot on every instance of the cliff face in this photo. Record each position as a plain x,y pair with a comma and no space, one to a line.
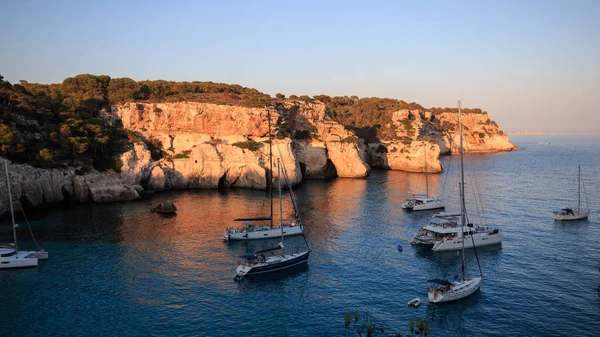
210,146
218,146
418,134
480,133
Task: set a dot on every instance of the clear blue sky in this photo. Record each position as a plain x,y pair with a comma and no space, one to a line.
535,66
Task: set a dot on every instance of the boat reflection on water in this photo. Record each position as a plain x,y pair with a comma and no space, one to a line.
452,315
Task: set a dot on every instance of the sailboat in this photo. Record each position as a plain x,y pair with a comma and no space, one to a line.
258,263
10,256
446,291
446,231
422,201
574,213
251,231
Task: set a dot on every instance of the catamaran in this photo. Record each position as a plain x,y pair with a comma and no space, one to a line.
252,231
446,291
258,263
446,231
10,256
422,201
574,213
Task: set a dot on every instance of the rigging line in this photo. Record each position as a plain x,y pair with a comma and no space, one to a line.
292,196
585,194
485,221
30,230
446,178
474,194
476,255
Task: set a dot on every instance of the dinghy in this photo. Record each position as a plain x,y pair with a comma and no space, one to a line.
415,302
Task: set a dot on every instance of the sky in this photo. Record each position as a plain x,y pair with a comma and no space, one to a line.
533,65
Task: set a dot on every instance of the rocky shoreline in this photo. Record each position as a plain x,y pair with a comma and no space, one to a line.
221,146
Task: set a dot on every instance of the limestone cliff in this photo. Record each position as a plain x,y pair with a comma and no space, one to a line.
417,133
211,145
480,133
219,146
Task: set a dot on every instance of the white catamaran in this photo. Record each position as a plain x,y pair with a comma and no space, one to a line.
574,213
422,201
10,256
257,263
251,231
446,231
446,291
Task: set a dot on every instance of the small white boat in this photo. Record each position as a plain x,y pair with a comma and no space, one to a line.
422,201
252,231
574,213
10,256
451,291
415,302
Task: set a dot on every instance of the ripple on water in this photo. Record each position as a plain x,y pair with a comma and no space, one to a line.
119,270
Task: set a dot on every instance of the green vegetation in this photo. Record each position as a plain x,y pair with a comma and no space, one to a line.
183,155
248,145
369,327
53,125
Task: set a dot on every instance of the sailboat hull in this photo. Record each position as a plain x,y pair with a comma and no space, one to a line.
428,206
480,240
16,260
457,291
574,216
273,264
261,233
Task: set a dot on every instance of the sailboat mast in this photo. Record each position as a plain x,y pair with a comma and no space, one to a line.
578,188
270,175
426,173
463,210
12,211
280,198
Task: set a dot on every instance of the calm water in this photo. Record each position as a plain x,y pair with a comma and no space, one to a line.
118,269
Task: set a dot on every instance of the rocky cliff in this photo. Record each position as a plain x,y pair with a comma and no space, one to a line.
418,134
207,145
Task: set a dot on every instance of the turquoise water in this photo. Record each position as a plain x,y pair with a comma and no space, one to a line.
118,269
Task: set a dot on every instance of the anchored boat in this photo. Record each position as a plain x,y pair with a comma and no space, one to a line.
258,263
575,213
422,201
444,290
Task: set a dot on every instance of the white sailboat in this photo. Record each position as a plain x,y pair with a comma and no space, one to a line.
574,213
10,256
258,263
252,231
448,232
422,201
446,291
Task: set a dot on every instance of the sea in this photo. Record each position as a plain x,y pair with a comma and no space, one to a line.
120,270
